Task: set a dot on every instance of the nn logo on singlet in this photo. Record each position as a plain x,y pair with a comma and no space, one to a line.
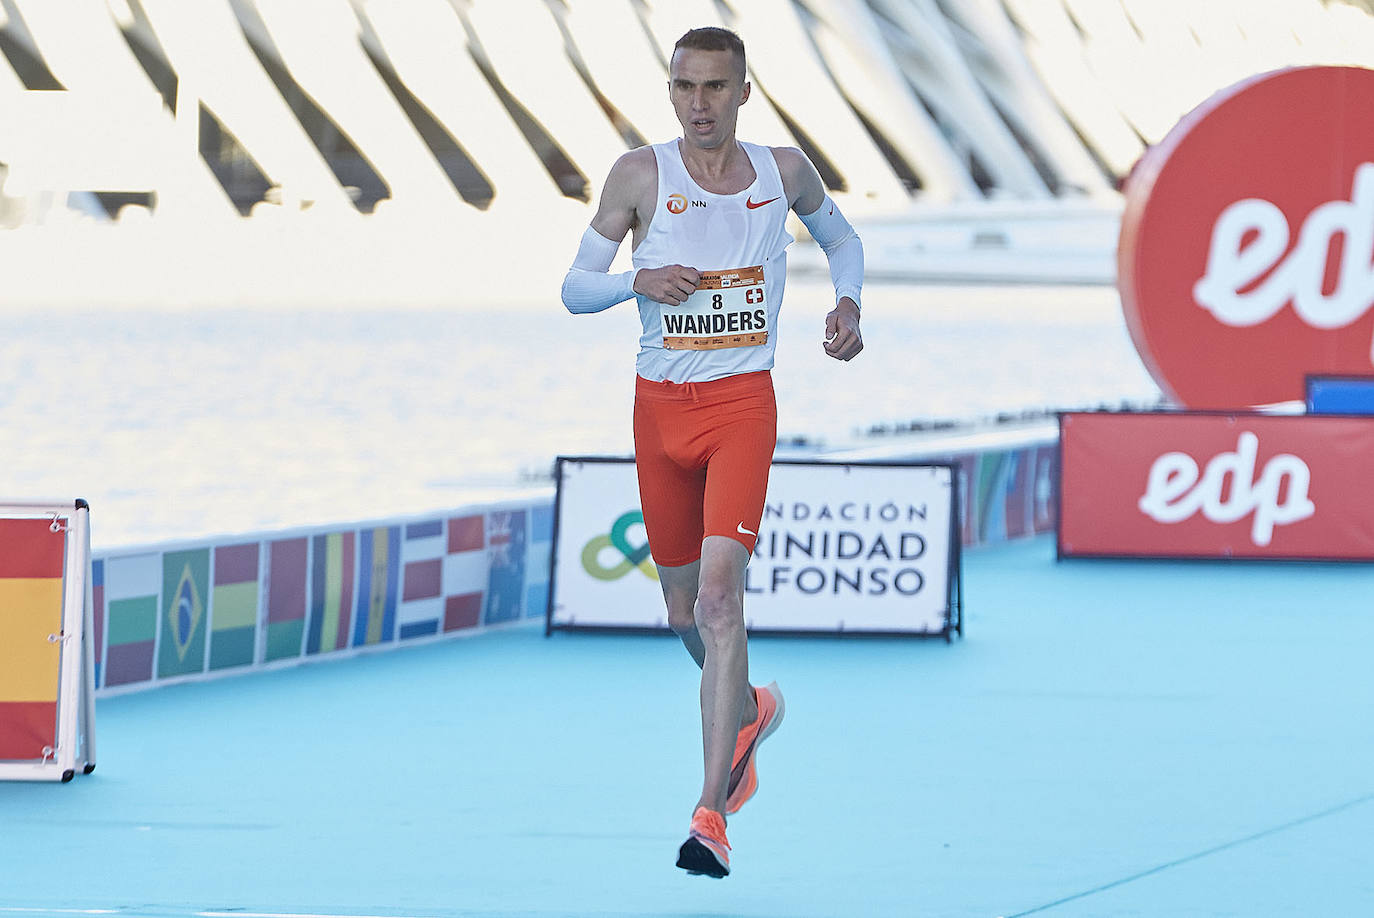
678,203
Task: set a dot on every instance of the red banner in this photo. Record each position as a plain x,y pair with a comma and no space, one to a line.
1246,243
1181,485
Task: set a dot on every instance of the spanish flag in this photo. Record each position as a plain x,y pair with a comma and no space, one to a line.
31,560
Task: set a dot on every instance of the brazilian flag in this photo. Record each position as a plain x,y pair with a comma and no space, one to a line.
185,590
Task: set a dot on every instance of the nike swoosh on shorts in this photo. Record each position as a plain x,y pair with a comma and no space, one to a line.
744,531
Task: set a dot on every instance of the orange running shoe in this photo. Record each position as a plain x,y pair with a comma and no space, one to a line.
744,774
705,852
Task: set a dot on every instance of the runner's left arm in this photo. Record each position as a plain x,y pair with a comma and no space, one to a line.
841,245
845,253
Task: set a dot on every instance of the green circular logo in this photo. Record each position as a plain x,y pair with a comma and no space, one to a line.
632,556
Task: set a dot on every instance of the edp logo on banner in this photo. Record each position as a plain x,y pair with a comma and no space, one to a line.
1246,258
841,548
1192,485
1175,492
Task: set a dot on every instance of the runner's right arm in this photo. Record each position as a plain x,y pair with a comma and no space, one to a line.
588,286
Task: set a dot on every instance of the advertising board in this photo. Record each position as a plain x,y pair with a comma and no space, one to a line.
1244,261
841,548
1213,485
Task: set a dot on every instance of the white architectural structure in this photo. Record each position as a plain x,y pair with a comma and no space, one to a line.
214,150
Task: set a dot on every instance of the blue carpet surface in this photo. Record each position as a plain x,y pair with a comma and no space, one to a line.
1111,738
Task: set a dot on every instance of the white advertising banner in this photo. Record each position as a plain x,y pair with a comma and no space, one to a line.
841,548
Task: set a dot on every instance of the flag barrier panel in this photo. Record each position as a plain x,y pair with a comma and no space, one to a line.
201,609
47,717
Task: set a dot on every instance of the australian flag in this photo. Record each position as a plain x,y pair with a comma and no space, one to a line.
507,537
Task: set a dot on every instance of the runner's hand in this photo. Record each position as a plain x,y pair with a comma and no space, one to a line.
842,338
670,284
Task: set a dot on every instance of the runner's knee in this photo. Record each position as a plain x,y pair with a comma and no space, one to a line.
718,609
682,615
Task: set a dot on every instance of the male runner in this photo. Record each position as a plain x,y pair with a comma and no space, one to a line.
708,218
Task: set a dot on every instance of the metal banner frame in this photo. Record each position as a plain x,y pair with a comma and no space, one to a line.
74,734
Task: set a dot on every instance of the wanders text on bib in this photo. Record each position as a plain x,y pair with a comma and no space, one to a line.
728,309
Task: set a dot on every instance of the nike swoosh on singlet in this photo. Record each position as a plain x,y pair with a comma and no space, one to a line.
752,204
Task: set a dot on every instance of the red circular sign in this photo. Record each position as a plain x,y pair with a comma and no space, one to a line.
1246,258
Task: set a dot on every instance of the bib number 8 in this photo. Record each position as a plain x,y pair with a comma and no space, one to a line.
717,302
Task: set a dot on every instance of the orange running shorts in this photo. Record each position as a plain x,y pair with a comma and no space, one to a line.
703,451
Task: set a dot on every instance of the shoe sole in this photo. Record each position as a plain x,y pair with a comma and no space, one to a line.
763,734
700,861
777,715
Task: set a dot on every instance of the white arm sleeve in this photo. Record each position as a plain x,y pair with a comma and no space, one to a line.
842,248
588,287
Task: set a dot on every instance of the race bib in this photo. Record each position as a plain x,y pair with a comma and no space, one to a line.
728,309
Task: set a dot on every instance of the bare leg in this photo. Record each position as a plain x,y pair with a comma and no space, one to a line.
680,594
725,671
680,587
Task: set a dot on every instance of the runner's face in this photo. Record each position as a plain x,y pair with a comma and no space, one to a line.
707,90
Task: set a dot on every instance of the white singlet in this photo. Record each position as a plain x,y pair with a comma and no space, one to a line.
739,244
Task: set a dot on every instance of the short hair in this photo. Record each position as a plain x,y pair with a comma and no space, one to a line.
713,38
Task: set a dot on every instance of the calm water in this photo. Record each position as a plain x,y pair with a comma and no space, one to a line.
185,424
